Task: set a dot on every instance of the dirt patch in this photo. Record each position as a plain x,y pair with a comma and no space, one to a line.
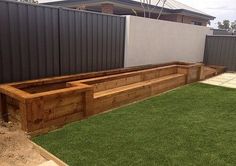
15,148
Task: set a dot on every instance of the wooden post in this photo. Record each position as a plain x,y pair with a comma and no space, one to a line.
24,107
201,73
3,107
34,114
183,70
88,103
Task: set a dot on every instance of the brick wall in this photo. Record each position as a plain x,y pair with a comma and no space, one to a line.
107,8
170,17
190,20
183,19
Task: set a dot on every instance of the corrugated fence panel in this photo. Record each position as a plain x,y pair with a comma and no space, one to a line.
39,41
29,42
90,41
221,50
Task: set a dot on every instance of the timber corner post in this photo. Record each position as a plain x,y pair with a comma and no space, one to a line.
88,97
11,95
192,72
25,109
32,114
89,102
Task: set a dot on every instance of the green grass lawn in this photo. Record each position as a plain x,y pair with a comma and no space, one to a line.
193,125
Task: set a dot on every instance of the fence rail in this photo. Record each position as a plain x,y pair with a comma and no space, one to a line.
38,41
221,50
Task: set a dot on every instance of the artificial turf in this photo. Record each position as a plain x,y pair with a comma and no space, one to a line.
192,125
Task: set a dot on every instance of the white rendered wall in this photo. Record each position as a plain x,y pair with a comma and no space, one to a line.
150,41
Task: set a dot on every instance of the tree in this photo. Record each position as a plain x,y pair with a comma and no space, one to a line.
233,26
147,7
225,25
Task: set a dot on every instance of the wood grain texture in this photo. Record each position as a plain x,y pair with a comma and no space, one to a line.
46,104
126,94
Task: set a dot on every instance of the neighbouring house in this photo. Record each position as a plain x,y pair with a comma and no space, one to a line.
173,10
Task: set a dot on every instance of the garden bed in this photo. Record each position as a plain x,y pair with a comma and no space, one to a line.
46,104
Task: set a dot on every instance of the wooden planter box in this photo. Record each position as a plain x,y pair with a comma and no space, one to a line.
45,104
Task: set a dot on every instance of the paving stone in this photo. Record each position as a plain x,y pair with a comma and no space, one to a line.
226,80
229,85
219,80
211,82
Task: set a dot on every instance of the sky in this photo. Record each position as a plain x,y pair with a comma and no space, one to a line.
221,9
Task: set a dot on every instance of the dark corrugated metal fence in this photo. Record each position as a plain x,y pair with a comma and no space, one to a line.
221,50
90,41
39,41
29,41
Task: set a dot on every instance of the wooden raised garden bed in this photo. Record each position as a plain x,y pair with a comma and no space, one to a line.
41,105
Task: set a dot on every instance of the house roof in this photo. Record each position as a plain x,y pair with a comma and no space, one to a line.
171,6
174,5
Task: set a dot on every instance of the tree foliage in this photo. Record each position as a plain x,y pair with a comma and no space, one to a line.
227,25
233,25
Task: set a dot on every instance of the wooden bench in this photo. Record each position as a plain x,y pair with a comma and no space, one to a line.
117,80
115,97
119,89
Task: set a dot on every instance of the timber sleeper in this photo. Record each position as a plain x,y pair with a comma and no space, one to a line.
44,104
